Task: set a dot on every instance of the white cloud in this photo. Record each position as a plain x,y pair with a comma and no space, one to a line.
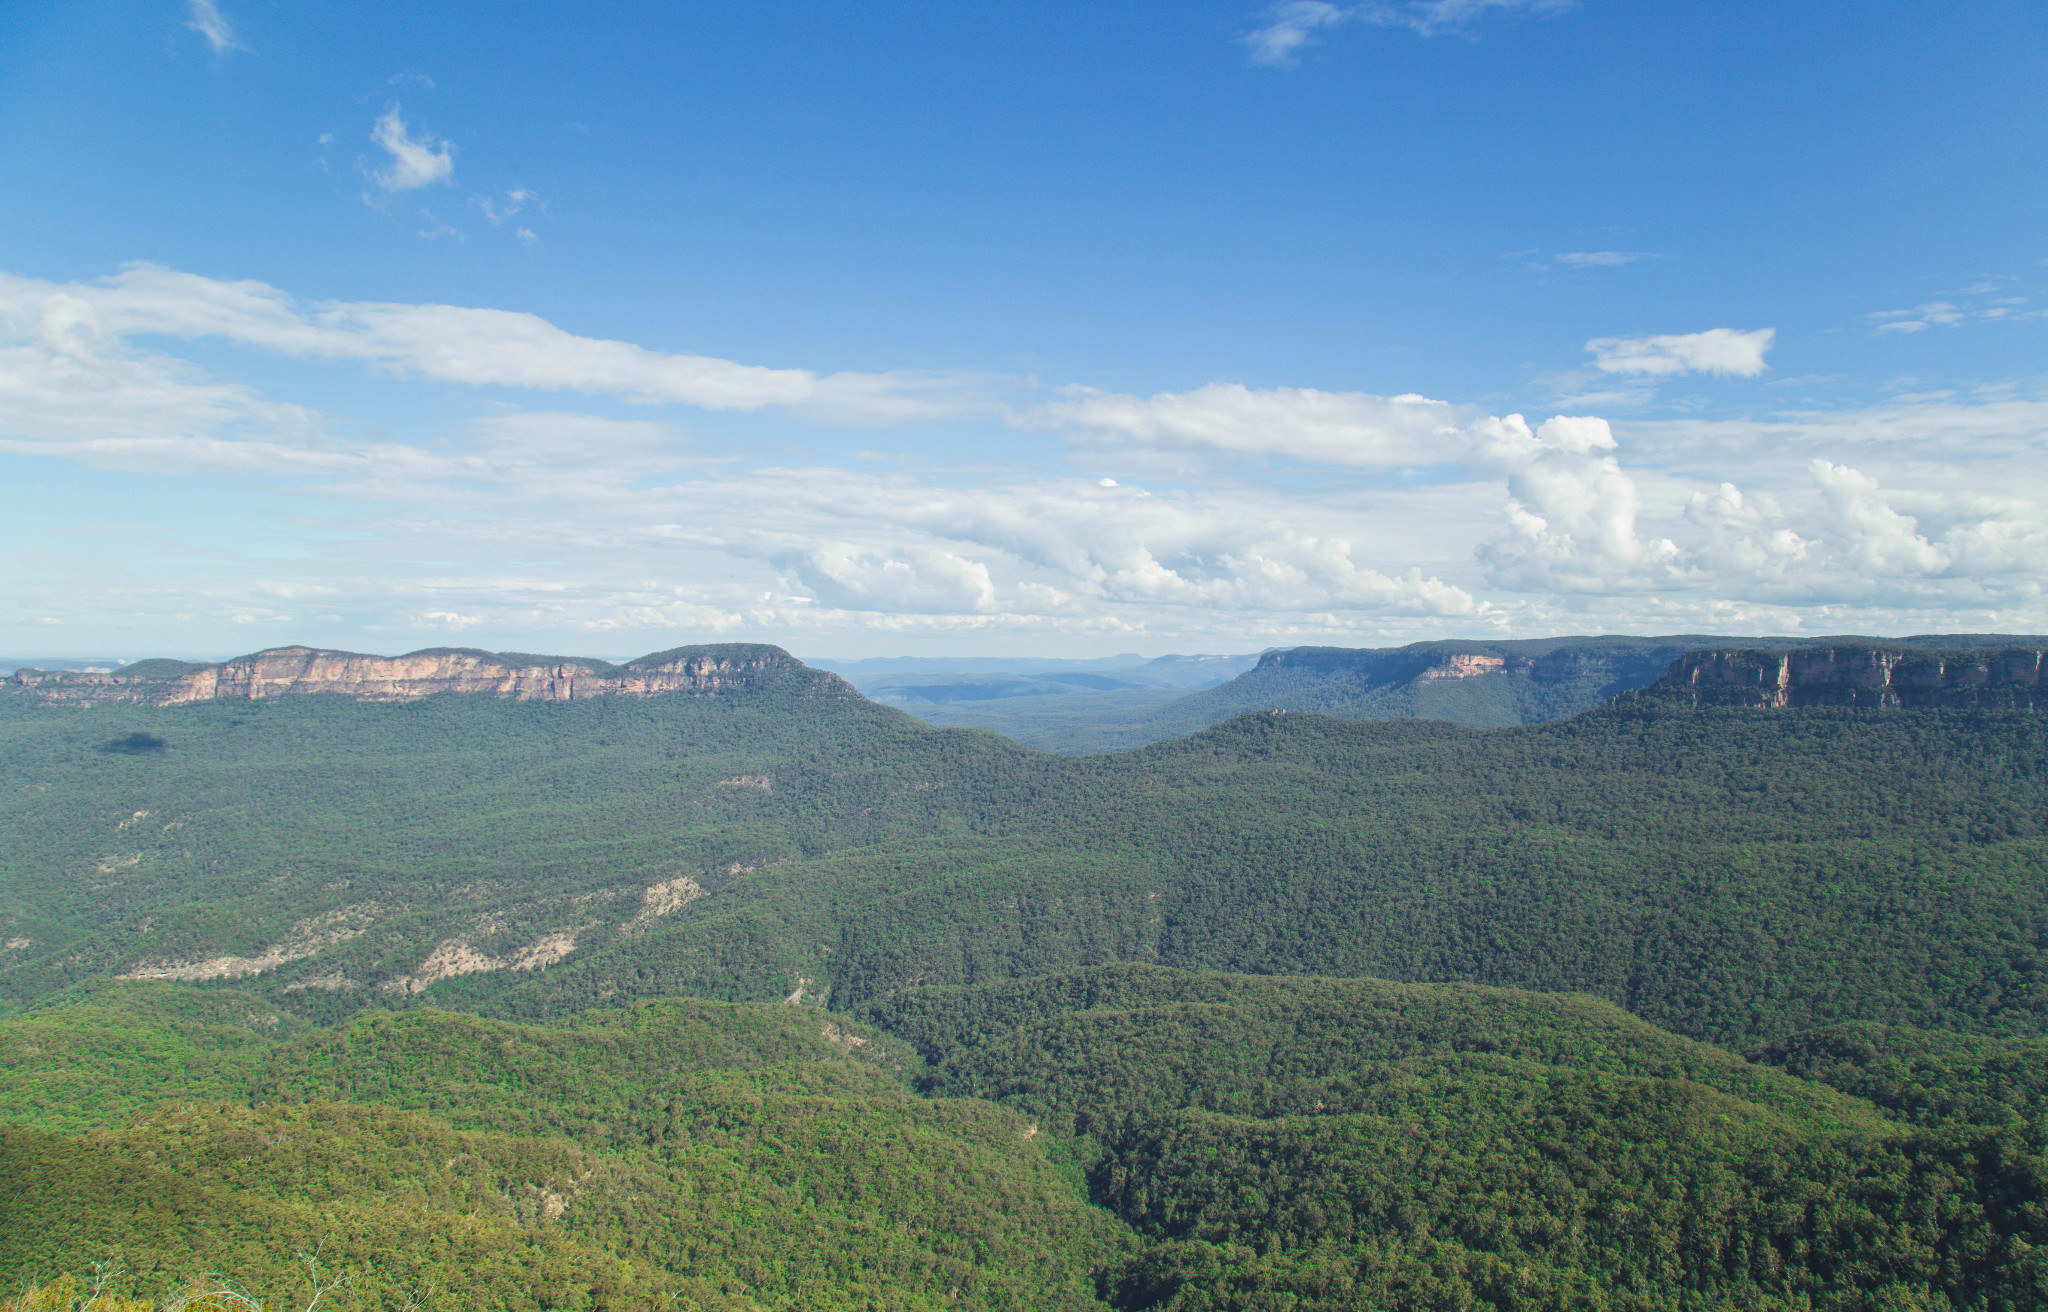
1974,302
1571,511
1385,518
1724,351
1744,534
1881,540
1438,17
1290,27
1596,259
415,161
515,200
207,20
848,542
436,227
485,348
1302,423
916,579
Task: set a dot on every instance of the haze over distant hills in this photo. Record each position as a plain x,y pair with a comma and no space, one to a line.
1483,684
1070,706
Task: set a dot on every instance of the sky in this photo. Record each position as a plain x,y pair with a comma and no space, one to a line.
1052,329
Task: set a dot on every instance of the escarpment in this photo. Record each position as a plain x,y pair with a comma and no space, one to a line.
298,671
1554,661
1859,675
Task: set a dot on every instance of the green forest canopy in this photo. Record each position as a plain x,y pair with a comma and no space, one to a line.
1463,1060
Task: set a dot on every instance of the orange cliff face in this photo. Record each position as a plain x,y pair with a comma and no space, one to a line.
2009,678
296,671
1474,665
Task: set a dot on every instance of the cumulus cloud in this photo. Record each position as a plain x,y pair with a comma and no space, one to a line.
1725,351
1116,547
1249,514
1879,538
1571,511
415,161
1900,529
207,20
1744,534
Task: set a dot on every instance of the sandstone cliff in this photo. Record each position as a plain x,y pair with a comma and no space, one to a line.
294,671
1546,661
1857,674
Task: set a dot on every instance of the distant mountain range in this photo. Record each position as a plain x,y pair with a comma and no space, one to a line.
1482,685
284,671
918,682
1117,703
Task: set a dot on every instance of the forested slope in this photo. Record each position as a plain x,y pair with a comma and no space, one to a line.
1127,1137
1325,1144
1731,874
684,1155
753,999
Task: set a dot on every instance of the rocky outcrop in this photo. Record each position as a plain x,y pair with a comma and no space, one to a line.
1863,675
1631,660
298,671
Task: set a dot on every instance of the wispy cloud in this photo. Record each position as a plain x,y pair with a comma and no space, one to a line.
498,210
1948,314
1577,260
207,20
1596,259
1725,351
1291,423
481,347
1440,17
434,227
415,161
1289,28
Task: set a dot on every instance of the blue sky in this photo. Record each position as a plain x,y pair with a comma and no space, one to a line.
1061,329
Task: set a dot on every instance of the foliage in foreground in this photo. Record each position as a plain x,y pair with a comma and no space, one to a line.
1130,1137
689,1154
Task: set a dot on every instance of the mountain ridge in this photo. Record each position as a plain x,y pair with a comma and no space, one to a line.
1868,675
301,670
1481,684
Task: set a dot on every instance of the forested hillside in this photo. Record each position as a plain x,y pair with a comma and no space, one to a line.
1120,1137
757,998
1731,874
